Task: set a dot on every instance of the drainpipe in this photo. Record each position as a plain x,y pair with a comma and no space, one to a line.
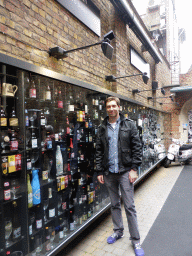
136,27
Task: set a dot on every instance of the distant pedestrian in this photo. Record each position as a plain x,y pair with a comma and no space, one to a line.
118,155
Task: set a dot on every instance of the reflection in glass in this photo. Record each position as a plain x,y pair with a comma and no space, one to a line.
14,188
65,226
59,202
45,206
52,236
32,220
34,157
8,230
16,253
39,244
50,163
32,116
28,137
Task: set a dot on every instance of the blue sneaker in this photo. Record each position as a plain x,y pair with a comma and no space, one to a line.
113,238
138,250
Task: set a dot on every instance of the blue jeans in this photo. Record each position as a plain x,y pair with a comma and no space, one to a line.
113,182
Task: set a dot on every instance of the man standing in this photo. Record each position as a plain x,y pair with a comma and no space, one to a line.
118,155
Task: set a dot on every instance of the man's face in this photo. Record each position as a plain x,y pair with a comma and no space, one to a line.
112,109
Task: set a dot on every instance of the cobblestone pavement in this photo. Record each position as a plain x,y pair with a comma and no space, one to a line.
150,197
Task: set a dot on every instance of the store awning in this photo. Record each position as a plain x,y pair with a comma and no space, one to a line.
181,89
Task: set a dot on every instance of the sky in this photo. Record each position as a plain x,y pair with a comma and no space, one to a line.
184,19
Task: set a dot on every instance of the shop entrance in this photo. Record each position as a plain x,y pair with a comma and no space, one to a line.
185,119
190,126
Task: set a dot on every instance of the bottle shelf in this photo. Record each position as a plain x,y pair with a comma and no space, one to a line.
54,126
45,182
35,232
9,97
35,205
8,152
8,75
14,243
11,200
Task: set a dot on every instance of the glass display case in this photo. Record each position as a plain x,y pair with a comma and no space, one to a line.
49,189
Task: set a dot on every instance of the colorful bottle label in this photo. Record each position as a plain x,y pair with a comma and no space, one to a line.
34,143
72,226
71,108
4,165
44,175
51,213
13,121
18,162
7,194
49,144
30,230
43,122
26,121
14,145
39,224
29,165
30,199
3,121
90,138
64,206
16,233
48,95
32,93
36,187
11,164
50,192
48,245
60,104
36,195
61,234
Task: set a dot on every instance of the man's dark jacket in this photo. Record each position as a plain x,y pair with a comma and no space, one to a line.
129,147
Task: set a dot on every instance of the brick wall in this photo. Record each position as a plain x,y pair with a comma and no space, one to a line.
29,28
178,116
43,24
186,79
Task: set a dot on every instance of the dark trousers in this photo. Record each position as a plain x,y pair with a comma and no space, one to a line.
113,182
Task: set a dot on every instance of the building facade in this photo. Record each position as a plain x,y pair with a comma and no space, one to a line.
52,104
161,21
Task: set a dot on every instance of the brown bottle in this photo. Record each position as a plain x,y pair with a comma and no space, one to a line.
7,190
3,118
13,120
33,90
14,141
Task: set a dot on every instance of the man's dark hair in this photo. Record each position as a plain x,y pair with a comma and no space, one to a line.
112,98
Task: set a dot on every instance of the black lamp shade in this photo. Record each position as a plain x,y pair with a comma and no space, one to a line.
145,78
107,50
162,91
110,35
154,85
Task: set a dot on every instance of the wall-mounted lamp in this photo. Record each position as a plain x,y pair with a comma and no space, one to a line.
59,53
161,103
138,91
152,98
113,78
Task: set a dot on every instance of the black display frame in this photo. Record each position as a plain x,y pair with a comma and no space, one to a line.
22,66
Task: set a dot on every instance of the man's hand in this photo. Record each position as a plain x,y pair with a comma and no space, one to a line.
100,179
133,176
